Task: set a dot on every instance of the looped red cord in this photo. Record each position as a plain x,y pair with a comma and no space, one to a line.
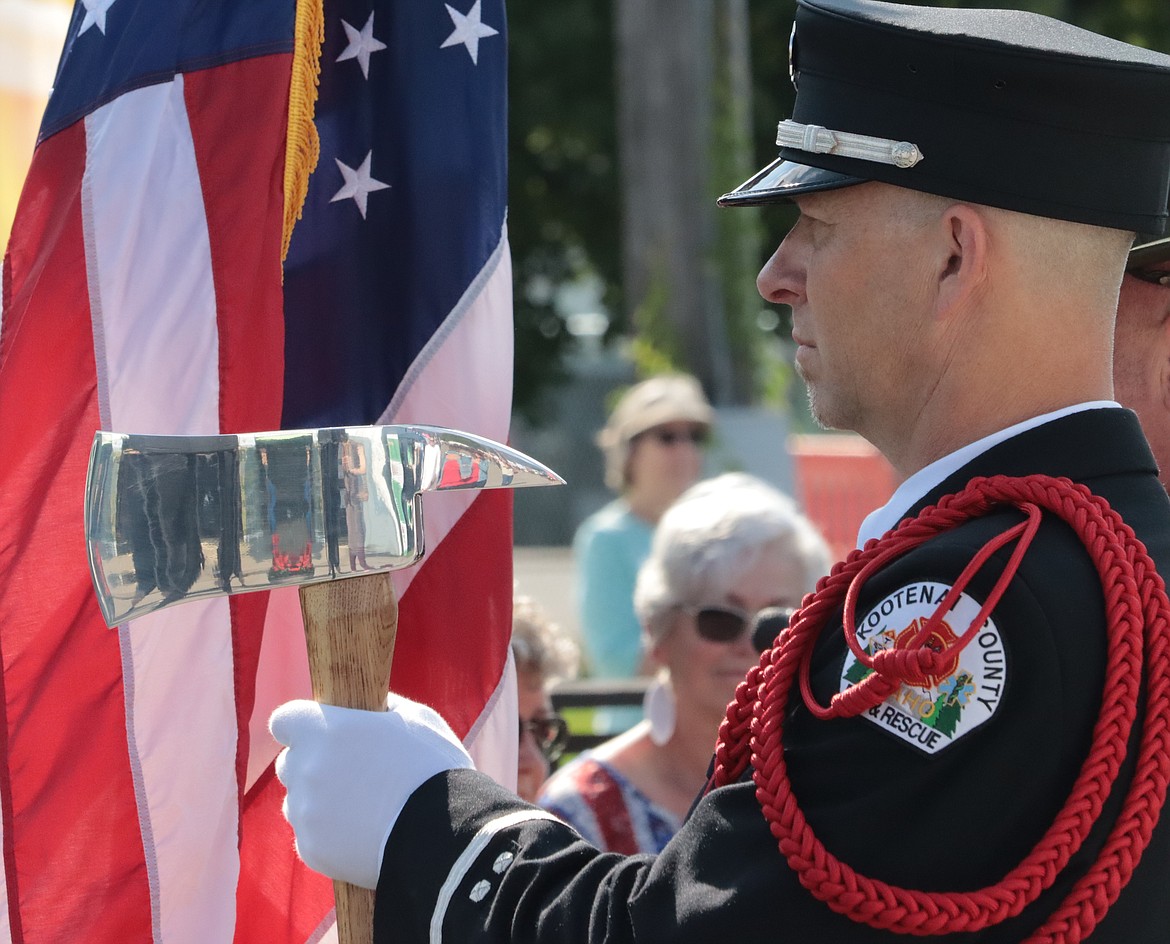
1138,615
892,667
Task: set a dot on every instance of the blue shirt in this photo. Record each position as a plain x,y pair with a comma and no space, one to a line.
609,547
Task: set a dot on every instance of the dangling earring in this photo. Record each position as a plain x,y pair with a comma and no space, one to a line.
658,705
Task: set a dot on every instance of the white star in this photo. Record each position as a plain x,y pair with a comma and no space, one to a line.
361,44
469,30
95,14
358,184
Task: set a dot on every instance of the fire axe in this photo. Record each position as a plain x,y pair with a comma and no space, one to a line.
170,519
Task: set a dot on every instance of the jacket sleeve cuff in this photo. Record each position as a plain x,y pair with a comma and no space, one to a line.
448,848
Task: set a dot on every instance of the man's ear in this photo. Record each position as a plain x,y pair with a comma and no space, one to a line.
964,246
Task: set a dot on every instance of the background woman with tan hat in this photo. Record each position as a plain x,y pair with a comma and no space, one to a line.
653,445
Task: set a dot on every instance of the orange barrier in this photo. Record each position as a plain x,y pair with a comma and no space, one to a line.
840,478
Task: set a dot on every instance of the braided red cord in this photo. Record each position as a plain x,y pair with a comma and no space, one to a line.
1138,614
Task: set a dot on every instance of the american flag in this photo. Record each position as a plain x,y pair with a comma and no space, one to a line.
142,292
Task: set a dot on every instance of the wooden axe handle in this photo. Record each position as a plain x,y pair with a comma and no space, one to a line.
350,627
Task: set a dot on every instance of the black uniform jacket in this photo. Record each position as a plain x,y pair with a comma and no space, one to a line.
467,861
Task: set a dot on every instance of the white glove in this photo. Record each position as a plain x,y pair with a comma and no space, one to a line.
349,773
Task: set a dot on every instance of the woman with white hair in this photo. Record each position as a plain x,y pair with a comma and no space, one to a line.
729,548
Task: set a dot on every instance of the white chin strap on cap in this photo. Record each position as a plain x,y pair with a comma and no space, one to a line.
819,140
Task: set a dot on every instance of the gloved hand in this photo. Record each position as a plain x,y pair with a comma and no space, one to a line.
349,773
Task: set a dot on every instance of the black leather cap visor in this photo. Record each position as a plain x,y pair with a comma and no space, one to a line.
782,180
1148,251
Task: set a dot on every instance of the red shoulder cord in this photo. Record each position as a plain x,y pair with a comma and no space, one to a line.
1138,636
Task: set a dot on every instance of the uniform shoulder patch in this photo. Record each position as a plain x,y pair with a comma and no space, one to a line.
964,694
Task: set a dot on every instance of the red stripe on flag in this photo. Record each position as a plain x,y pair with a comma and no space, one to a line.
449,653
279,899
72,844
247,615
242,178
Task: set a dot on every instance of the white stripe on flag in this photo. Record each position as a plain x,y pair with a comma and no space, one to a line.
184,748
147,246
148,249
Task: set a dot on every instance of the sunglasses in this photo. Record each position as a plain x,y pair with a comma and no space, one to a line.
671,437
551,734
727,623
1153,275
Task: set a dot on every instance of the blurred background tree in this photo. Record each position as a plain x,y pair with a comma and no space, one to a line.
563,203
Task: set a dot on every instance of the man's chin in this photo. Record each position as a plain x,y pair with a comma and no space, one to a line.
820,410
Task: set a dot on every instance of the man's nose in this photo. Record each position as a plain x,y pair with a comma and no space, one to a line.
781,280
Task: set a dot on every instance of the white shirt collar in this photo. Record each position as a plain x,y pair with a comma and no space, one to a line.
924,480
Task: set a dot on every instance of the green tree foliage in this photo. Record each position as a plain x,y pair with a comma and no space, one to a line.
564,199
737,235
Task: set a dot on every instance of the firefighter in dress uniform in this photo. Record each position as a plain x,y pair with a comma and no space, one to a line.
969,183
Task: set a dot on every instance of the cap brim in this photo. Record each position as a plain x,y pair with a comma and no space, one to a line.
782,180
1148,250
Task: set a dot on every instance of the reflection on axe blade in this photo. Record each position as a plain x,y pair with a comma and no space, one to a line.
175,518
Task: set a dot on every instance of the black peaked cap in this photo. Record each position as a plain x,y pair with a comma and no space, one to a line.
1006,108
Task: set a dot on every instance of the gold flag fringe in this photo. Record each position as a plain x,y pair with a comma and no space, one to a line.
302,146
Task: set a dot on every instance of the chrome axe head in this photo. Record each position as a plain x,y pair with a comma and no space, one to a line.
170,519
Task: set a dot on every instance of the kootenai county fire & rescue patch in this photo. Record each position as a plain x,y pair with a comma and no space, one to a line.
963,694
